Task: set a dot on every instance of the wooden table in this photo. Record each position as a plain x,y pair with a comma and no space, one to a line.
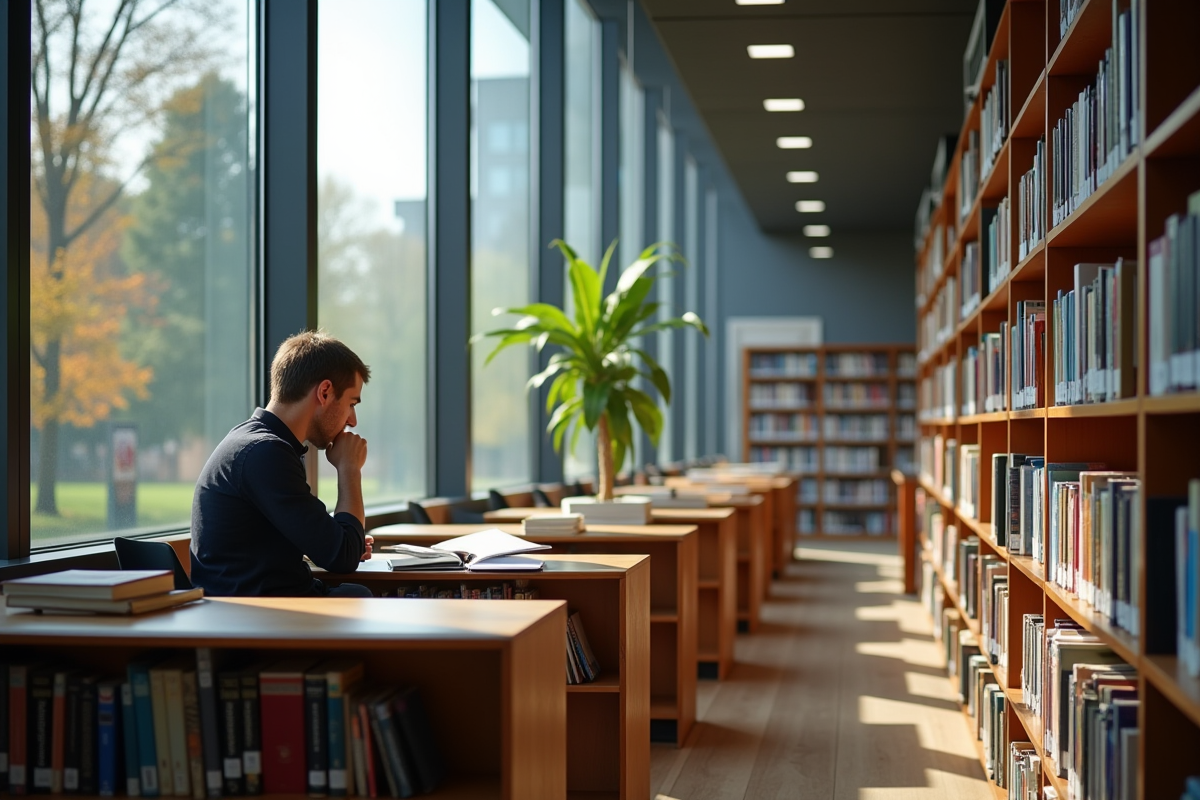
673,555
490,674
608,720
717,578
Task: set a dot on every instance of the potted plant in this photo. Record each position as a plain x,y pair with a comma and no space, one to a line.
591,377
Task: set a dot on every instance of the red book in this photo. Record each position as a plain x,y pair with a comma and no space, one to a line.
364,722
284,750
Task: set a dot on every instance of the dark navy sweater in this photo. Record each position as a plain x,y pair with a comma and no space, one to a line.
254,518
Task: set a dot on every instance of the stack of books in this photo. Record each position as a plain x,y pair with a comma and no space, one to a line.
98,591
627,510
553,525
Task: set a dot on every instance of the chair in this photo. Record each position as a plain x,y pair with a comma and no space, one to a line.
143,554
540,500
496,500
418,513
577,489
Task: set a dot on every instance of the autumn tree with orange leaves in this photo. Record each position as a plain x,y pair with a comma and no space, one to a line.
98,71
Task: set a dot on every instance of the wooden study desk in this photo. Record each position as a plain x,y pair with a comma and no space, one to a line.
608,720
673,601
717,578
490,674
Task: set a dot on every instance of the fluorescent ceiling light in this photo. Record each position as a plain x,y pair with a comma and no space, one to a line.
783,104
760,2
803,176
816,230
771,51
820,252
793,142
810,206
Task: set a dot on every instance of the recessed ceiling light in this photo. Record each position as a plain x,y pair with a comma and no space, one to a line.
793,142
810,206
820,252
760,2
771,51
816,230
803,176
783,104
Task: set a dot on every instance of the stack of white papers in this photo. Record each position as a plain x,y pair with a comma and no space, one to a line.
553,525
625,510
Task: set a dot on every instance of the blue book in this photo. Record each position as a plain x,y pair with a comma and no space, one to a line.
341,679
129,738
108,701
143,717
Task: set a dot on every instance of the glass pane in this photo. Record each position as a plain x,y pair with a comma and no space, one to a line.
500,236
141,284
691,339
581,204
666,283
371,227
632,187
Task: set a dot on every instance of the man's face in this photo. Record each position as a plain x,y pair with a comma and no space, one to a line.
334,413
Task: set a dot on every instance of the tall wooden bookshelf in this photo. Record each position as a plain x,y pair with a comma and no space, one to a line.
839,417
1156,436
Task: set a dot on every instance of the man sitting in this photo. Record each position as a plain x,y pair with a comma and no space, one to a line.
253,515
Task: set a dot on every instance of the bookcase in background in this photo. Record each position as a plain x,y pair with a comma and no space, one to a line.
991,384
840,418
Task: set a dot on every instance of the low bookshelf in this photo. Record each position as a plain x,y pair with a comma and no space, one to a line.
673,552
499,665
1031,240
840,418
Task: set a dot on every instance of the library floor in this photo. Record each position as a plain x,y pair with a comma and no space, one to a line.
840,695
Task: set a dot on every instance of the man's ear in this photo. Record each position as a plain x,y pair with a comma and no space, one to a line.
325,392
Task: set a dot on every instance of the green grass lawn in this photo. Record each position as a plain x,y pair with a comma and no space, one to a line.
83,509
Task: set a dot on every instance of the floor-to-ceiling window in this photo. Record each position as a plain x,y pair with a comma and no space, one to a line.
500,236
371,168
710,316
691,338
140,278
581,206
666,282
631,180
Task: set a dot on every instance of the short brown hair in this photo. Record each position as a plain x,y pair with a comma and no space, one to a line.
306,359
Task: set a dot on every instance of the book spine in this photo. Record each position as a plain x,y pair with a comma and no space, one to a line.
177,732
58,731
107,745
18,680
41,711
252,766
283,746
66,747
194,734
88,737
129,739
143,701
161,732
316,724
416,734
230,713
210,724
389,738
339,740
367,731
358,755
380,763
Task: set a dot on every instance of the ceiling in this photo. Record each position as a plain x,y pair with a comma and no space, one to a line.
881,80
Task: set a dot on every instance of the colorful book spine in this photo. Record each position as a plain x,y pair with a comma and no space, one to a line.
210,722
88,736
41,733
130,731
341,679
316,733
252,757
108,744
230,711
147,745
194,734
281,688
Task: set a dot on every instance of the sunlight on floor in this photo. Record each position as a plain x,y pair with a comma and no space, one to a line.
910,651
928,723
899,612
879,587
832,553
935,687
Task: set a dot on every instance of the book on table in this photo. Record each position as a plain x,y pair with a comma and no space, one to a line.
132,605
95,584
490,550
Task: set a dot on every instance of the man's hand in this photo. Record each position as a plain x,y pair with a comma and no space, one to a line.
366,556
348,451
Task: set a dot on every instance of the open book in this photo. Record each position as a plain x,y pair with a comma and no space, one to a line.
491,550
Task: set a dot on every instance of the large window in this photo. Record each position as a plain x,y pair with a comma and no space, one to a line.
691,338
666,282
141,284
371,168
581,190
632,182
501,221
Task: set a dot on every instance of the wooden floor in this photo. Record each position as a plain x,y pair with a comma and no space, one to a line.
841,694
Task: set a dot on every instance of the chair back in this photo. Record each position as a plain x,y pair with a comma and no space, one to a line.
418,513
540,500
142,554
577,489
496,500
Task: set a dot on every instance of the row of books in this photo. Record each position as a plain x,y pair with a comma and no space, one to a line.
780,395
193,727
806,521
1187,580
993,608
997,246
1095,335
929,272
857,365
1027,355
798,427
856,426
808,491
983,374
986,705
854,523
968,480
937,465
968,175
1174,314
970,285
783,365
843,491
857,395
906,427
906,365
1031,203
791,459
937,392
1100,128
994,118
852,459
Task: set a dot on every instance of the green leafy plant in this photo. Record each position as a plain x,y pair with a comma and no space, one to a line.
592,374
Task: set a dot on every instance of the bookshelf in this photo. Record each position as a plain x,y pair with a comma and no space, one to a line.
510,655
839,418
1145,431
608,720
674,569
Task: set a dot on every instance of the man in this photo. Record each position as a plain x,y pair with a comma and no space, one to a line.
253,515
